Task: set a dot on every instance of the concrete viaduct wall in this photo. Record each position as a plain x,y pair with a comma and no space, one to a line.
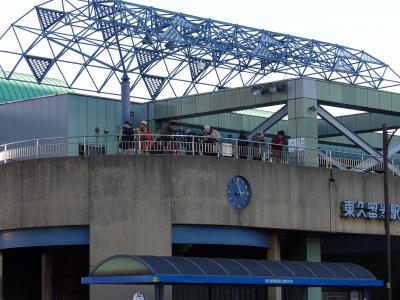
108,191
130,201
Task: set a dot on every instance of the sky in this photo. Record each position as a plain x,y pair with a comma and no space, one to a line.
369,25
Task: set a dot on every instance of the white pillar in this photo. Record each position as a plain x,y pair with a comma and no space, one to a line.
274,253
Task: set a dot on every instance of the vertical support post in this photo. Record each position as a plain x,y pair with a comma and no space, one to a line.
274,254
193,145
237,149
125,98
5,154
365,294
1,275
304,247
362,161
392,161
159,291
313,248
106,144
97,131
47,266
303,123
84,145
385,144
37,148
236,293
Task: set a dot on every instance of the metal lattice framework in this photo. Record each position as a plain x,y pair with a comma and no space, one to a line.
90,44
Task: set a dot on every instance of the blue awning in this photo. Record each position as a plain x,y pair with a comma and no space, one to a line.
39,237
125,269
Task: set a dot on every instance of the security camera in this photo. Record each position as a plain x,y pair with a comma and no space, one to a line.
132,113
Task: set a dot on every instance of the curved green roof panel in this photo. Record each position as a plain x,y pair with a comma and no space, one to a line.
23,86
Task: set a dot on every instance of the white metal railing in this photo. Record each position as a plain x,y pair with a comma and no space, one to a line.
187,145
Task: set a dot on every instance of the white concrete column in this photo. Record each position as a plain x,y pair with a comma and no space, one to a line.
274,253
314,254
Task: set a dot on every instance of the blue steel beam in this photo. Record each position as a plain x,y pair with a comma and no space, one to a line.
180,53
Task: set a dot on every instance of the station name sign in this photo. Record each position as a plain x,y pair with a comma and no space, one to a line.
368,210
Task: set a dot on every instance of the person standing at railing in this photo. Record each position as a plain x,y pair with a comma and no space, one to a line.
277,144
191,142
258,146
168,138
243,145
145,136
127,138
211,141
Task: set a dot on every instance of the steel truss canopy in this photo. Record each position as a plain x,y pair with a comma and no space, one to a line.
128,269
90,44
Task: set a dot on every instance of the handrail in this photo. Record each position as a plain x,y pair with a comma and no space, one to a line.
182,144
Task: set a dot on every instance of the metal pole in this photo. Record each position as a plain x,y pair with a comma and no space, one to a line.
37,148
84,145
193,145
387,215
125,98
237,149
106,143
362,162
392,164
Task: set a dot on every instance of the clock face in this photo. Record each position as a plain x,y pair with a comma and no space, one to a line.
238,192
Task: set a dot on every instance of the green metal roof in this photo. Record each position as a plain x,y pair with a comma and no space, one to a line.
23,86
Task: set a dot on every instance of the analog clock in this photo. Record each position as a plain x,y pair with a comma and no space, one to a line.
238,192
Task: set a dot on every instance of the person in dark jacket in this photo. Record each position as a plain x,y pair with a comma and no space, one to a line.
168,138
127,137
242,145
192,142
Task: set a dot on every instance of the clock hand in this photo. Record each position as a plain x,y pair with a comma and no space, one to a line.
237,183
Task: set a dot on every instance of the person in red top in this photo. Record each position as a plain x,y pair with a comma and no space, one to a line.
277,143
145,137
